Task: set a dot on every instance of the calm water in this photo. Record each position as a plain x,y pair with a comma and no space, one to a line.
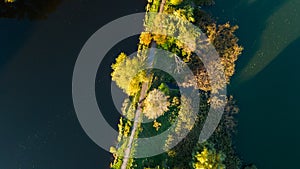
38,125
268,132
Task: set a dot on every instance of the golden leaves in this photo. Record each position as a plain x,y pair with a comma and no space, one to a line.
145,38
155,104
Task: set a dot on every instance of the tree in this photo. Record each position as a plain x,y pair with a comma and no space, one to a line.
230,110
175,2
145,38
155,104
9,1
185,121
208,158
160,39
226,43
128,74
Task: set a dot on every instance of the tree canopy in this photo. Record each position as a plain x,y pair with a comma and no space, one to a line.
208,158
155,104
128,73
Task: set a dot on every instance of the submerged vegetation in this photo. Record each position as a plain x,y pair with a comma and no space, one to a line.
156,94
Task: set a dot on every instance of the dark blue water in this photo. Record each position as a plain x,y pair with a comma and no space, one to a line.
38,125
268,131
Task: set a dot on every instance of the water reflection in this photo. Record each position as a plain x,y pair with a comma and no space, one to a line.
32,9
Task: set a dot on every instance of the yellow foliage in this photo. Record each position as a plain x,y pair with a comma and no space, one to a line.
176,2
121,58
184,14
156,125
155,104
175,101
208,159
171,153
9,1
145,38
225,42
126,130
128,73
160,39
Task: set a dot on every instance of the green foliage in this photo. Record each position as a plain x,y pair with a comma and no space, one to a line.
185,121
186,115
128,74
208,158
164,88
153,5
185,43
186,13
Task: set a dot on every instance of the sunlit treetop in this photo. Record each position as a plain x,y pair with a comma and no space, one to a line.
175,2
9,1
208,158
145,38
128,73
155,104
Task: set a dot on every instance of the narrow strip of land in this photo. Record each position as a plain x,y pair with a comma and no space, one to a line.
138,112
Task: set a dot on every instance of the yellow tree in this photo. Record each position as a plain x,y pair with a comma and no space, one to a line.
145,38
226,43
128,74
208,158
155,104
175,2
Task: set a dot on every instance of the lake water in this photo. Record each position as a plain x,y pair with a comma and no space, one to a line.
38,125
268,132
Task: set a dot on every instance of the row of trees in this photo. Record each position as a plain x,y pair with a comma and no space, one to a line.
166,107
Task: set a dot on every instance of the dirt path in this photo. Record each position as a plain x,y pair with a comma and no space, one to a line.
138,112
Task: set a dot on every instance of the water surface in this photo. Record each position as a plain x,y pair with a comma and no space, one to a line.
268,93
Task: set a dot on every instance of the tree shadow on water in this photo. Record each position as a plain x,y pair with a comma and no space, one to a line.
31,9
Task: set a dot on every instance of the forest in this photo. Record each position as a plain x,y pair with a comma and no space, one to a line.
154,94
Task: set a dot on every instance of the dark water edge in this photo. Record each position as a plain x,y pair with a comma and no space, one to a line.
39,128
